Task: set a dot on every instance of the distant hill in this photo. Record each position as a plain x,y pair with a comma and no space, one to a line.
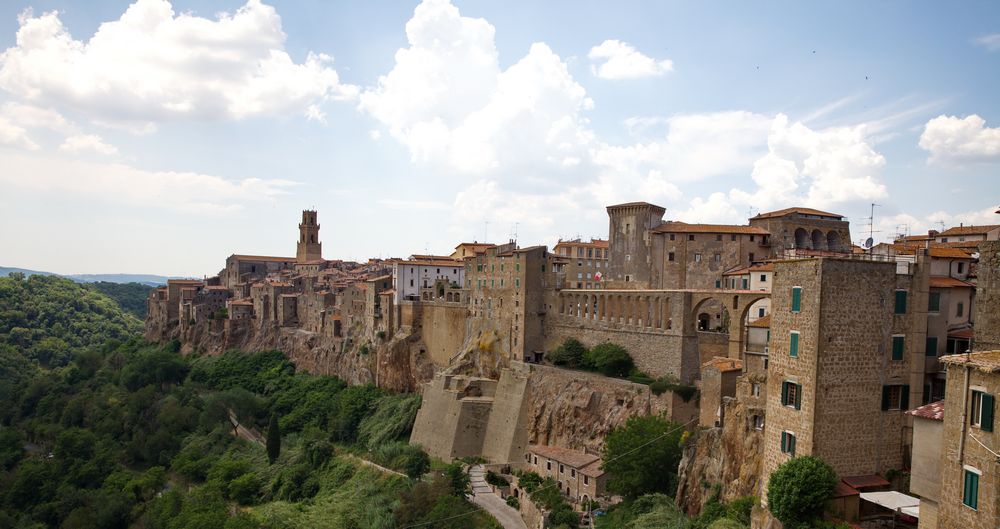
145,279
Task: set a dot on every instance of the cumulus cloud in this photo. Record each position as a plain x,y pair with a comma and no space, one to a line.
990,42
153,64
447,99
954,139
80,143
14,135
124,184
614,59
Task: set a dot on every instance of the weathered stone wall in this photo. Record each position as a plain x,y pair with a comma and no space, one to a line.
442,329
987,311
711,345
730,457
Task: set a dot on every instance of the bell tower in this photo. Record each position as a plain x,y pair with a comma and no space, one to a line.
309,248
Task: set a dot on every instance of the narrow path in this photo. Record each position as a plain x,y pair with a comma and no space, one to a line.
368,463
484,497
243,432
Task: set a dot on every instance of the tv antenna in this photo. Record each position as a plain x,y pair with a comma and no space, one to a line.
871,229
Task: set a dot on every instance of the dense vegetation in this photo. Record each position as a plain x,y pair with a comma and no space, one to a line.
121,433
798,490
130,296
658,511
48,318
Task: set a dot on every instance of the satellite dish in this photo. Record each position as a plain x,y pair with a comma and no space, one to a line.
869,242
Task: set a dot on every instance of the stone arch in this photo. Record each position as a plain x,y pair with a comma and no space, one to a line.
833,241
818,240
801,238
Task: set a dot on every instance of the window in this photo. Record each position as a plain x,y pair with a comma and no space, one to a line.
718,237
981,414
900,302
548,465
788,443
755,389
572,472
745,283
793,345
536,460
959,309
970,492
796,299
586,480
671,236
760,312
897,347
758,422
717,257
961,268
895,397
697,257
670,256
934,302
690,237
718,283
932,346
517,283
732,237
562,469
791,395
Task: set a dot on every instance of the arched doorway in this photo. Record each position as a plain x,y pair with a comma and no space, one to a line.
704,320
801,238
818,240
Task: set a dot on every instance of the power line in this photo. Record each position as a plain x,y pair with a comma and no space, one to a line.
473,511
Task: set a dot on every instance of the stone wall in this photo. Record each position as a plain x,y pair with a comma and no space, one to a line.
987,315
442,329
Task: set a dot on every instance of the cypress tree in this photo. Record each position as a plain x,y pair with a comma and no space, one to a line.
273,439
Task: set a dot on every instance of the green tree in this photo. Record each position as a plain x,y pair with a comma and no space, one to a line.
798,490
457,478
611,360
642,456
570,353
273,439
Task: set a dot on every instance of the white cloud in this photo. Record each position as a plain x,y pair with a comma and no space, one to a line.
990,42
954,139
79,143
126,185
449,102
153,65
14,135
615,59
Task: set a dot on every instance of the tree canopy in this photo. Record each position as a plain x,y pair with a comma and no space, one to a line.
642,456
798,490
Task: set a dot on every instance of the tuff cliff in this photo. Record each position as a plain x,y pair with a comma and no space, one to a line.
730,457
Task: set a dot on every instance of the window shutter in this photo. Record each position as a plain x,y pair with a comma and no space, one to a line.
784,393
900,302
793,346
904,398
798,396
986,423
791,442
931,349
885,398
796,299
897,347
784,442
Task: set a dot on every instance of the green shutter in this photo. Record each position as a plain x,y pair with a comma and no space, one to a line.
970,496
897,347
900,302
885,398
798,396
904,398
986,422
796,299
932,345
791,444
784,393
784,442
934,302
793,347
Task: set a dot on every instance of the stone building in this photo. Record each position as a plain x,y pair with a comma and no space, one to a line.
309,249
718,382
969,495
987,317
586,262
577,474
846,358
925,475
804,229
427,277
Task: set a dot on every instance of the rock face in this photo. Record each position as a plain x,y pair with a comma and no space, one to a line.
730,457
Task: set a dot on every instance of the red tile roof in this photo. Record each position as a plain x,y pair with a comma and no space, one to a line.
985,361
764,322
803,211
683,227
573,458
738,271
933,411
433,262
968,230
724,364
948,282
967,334
866,482
843,490
766,267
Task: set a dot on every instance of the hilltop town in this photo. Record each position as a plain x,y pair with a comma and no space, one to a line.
769,340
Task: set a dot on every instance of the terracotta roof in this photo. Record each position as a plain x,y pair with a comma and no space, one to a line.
216,287
866,482
593,470
242,257
766,267
948,282
634,204
429,257
764,322
683,227
241,302
724,364
802,211
380,278
843,490
475,244
933,411
953,252
388,292
433,262
594,243
573,458
985,361
738,271
967,334
915,238
968,230
936,249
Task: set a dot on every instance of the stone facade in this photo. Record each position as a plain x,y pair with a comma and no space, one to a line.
805,229
586,262
988,298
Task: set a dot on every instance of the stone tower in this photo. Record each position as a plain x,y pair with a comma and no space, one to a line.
629,244
987,316
309,248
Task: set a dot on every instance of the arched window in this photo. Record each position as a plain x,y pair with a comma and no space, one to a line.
801,238
818,240
833,241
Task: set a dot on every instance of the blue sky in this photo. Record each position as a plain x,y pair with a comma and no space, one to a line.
160,137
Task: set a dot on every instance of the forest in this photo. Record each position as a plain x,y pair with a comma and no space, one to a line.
109,431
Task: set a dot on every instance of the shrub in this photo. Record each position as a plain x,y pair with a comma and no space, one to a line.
245,489
671,383
496,479
571,353
799,489
512,501
610,360
637,466
529,481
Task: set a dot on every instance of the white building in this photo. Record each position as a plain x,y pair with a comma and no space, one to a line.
414,279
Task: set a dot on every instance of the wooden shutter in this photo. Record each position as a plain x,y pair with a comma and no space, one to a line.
900,302
784,442
931,348
885,398
784,393
798,396
796,299
791,442
898,345
986,423
904,398
793,346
